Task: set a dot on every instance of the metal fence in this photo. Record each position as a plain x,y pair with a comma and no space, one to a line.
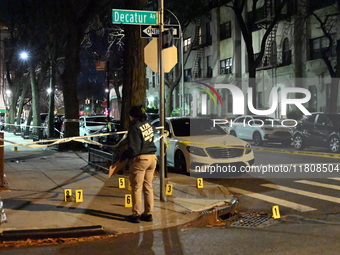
100,159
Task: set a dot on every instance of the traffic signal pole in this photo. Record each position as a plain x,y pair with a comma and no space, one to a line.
161,96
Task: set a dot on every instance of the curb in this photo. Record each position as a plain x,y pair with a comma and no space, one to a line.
74,232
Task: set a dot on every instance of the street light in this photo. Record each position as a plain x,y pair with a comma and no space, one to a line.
24,55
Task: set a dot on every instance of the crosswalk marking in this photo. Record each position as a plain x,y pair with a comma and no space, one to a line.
278,201
334,178
303,193
319,184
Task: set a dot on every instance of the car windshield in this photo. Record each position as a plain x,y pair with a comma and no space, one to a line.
194,127
96,121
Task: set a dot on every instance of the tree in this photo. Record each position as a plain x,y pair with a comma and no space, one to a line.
134,86
246,24
25,33
328,21
187,14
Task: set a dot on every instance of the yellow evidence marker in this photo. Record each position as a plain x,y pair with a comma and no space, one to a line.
128,200
121,183
168,189
199,183
68,195
79,195
276,212
129,186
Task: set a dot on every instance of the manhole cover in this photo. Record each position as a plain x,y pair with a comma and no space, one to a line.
252,221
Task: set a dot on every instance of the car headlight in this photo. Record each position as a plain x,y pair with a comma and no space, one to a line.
196,151
248,148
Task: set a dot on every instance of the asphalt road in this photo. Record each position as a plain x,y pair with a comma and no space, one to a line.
303,238
306,196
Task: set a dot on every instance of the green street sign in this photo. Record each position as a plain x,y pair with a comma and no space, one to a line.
134,17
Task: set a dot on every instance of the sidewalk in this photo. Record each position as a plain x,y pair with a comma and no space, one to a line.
37,178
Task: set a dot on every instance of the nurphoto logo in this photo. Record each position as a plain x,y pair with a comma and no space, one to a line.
238,100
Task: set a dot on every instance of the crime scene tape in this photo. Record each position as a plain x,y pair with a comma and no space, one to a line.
83,139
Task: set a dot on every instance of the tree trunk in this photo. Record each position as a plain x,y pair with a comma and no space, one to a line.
51,101
69,82
28,123
21,106
134,85
35,102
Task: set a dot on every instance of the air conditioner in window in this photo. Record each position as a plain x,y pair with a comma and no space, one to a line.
222,71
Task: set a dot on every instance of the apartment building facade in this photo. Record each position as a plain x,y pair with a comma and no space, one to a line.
292,57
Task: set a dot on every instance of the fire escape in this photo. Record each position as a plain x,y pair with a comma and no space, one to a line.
197,68
270,56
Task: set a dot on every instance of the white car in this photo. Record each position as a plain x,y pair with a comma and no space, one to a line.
90,125
196,143
260,129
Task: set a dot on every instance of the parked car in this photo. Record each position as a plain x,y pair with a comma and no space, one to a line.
57,124
112,127
92,124
26,130
260,129
152,116
318,129
197,142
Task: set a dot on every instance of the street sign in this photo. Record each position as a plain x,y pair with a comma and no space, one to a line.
101,65
134,17
151,58
147,31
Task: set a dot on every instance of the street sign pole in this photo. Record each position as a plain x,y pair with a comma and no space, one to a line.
108,90
161,96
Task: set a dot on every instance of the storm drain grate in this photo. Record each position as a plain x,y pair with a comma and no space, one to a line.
252,221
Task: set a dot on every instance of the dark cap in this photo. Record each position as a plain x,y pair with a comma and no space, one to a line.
137,112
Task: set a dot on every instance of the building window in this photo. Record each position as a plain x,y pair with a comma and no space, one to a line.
199,39
286,53
187,75
226,66
319,47
209,68
154,79
225,30
187,43
312,104
207,36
